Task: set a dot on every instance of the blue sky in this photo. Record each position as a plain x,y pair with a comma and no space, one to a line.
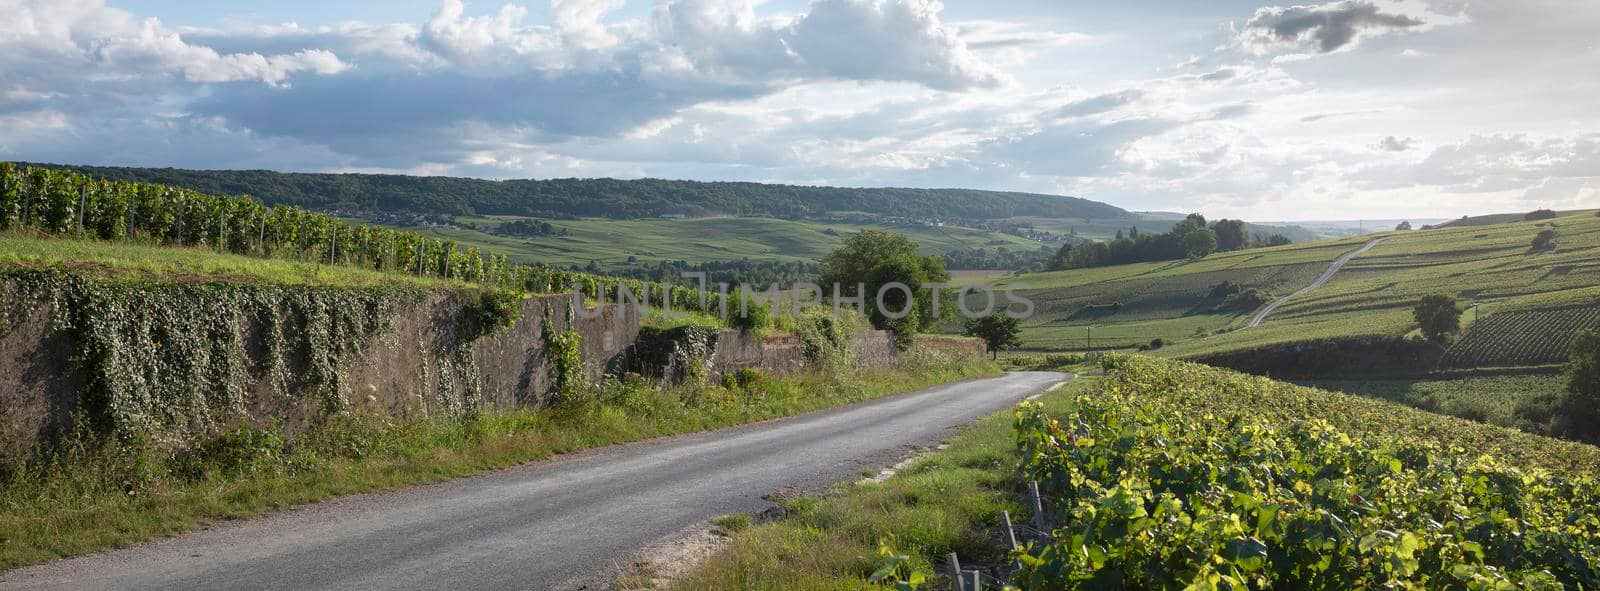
1331,110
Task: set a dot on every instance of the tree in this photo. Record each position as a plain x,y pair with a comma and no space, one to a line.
1580,408
1439,317
1278,240
1545,240
1230,234
1199,243
1404,226
868,262
998,329
1539,214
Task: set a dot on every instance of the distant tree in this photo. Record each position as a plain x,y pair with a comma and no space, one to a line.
594,266
1539,214
1200,243
1278,240
1544,240
998,329
1157,344
1439,317
1404,226
1133,231
1119,234
1230,234
1579,415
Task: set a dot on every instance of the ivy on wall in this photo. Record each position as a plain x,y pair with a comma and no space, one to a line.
164,362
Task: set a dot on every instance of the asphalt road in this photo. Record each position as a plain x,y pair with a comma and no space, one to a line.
1326,275
544,524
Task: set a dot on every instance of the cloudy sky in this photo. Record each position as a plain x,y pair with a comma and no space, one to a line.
1340,110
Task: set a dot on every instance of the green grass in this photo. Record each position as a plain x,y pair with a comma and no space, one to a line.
611,242
99,494
120,260
947,501
1485,399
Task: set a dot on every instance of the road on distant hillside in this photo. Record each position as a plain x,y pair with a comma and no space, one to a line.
1326,275
543,524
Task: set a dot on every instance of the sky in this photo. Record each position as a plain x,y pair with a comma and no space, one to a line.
1337,110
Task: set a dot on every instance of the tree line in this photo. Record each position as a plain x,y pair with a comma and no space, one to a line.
69,204
606,198
1190,238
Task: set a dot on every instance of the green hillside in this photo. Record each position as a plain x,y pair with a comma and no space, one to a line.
1493,266
609,198
612,242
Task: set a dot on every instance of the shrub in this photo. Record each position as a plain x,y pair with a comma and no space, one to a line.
1545,240
1539,214
743,378
754,317
1248,299
1579,416
1157,343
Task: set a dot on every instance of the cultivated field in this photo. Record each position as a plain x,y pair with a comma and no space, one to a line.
611,242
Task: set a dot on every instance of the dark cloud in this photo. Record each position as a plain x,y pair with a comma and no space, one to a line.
1100,104
1326,26
1394,144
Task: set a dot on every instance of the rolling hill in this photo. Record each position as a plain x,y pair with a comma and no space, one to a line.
604,198
1492,266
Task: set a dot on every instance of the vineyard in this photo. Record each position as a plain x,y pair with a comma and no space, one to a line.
1178,476
66,204
1522,337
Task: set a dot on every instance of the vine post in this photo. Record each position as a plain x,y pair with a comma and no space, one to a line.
83,198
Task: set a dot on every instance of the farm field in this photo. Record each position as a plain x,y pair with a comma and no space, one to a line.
1521,337
611,242
1492,399
1490,266
191,264
1129,305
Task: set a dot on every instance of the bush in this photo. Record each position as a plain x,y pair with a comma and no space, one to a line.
743,378
1579,416
1248,299
1157,343
1545,240
755,317
1539,214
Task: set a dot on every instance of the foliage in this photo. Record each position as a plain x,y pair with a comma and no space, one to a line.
1580,408
1539,214
1403,227
1438,316
165,362
564,352
998,330
611,198
1189,238
1544,240
1522,337
1230,234
1163,481
490,312
751,316
895,569
67,204
865,267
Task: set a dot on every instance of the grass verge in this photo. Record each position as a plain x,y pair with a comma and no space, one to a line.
97,494
947,501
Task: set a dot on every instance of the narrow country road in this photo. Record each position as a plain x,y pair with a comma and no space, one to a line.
1326,275
543,524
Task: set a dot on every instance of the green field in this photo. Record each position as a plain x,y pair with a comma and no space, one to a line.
190,264
1492,266
611,242
1128,305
